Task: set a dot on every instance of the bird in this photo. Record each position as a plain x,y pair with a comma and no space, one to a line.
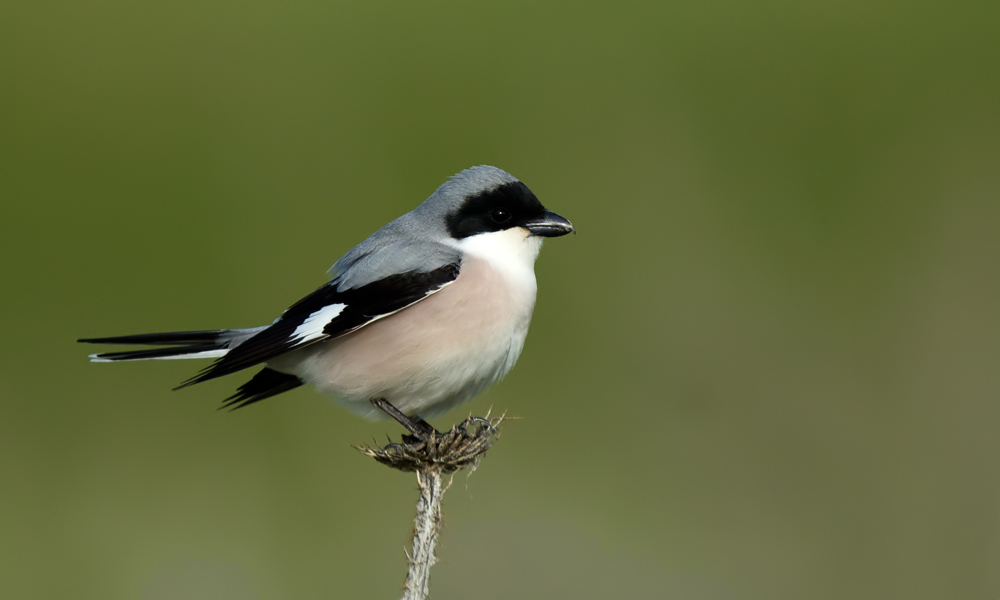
423,315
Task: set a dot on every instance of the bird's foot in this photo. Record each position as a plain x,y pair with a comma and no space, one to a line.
445,452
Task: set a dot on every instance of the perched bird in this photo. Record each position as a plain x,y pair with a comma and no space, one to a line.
425,314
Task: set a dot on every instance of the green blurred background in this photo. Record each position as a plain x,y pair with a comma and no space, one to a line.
767,366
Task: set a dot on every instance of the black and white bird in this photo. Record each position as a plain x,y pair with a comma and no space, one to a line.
425,314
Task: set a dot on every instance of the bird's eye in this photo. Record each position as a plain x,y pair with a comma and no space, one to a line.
499,215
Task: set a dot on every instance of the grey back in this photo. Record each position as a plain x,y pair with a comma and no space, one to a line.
416,241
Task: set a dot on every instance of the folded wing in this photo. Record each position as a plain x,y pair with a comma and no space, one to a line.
330,312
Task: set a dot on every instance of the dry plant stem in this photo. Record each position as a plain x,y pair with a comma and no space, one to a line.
431,458
426,526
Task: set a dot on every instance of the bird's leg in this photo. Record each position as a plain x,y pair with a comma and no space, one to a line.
415,425
424,425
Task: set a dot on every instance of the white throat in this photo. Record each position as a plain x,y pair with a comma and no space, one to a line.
511,251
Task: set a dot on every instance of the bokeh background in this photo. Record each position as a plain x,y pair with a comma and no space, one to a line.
767,366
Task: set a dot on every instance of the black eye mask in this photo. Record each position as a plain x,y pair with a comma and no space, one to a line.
509,205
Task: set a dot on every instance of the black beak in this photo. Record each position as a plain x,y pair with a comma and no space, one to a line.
549,225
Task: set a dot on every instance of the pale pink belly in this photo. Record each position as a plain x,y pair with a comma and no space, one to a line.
431,356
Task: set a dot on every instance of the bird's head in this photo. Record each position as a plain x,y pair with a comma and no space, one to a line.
484,200
489,213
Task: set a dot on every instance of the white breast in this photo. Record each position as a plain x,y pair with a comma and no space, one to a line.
443,350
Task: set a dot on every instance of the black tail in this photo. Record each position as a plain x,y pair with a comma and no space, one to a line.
175,338
183,344
200,344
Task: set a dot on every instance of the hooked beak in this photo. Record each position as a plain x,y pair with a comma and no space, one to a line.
550,225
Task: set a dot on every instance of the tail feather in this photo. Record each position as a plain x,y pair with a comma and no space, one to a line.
176,352
180,344
200,344
174,338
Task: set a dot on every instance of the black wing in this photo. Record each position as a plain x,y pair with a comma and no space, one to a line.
328,313
264,384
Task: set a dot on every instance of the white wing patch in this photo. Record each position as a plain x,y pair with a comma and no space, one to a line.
312,328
